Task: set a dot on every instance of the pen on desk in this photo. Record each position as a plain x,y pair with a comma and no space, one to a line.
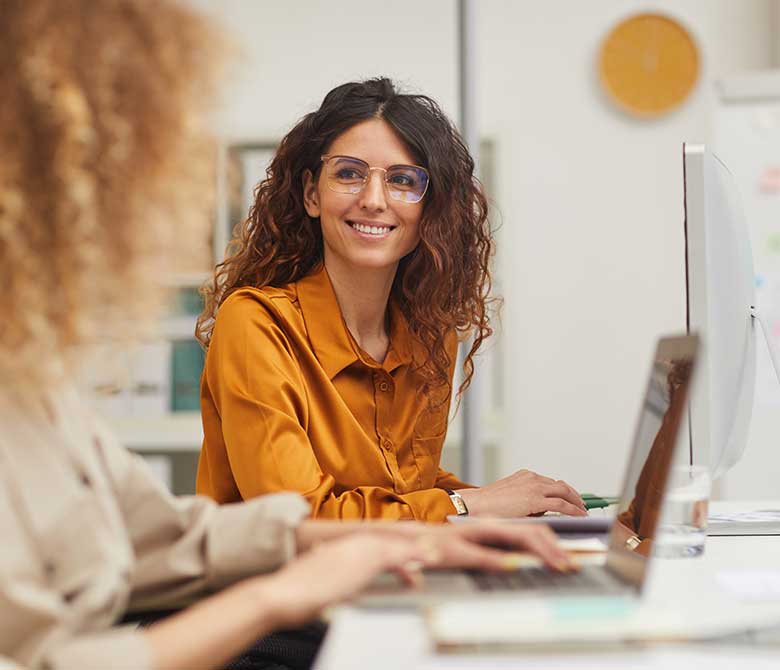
595,502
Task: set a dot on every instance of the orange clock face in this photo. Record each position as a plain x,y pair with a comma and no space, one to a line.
648,64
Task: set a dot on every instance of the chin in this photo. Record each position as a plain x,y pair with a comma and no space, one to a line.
373,262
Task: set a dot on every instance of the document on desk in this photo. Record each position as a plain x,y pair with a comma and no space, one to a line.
755,522
754,585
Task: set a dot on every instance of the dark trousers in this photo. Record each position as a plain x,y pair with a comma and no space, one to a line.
283,650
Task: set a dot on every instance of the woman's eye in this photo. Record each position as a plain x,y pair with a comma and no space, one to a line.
348,173
401,180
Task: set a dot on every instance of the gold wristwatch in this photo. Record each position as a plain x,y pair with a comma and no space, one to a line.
458,503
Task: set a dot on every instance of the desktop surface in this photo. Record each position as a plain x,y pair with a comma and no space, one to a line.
360,638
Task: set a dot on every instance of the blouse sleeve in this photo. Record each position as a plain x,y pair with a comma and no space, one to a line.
447,480
36,629
184,545
263,418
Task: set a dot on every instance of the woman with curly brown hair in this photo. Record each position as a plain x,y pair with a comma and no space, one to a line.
103,168
332,329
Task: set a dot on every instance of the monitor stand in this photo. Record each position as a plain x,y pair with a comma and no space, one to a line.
752,522
769,344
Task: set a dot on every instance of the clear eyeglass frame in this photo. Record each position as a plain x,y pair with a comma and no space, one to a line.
406,196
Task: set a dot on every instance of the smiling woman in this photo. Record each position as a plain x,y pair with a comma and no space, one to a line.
332,327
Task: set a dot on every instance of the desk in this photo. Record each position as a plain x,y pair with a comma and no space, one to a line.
397,639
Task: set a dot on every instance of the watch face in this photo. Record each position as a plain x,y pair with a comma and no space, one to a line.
648,64
458,504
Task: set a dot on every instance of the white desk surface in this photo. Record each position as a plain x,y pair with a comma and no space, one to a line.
396,639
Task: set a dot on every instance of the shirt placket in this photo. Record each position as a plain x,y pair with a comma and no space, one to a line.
384,392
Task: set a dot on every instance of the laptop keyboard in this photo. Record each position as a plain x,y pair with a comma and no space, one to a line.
536,578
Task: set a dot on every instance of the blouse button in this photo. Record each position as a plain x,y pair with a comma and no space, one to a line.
383,386
387,444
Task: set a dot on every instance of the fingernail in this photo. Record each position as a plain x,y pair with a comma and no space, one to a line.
414,566
565,565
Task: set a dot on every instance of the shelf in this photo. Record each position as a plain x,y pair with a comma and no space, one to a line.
174,432
181,431
186,279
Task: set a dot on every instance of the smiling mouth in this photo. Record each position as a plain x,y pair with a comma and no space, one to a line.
370,229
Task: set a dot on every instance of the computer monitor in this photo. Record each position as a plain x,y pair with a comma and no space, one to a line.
720,299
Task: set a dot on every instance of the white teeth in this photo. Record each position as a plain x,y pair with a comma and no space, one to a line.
371,230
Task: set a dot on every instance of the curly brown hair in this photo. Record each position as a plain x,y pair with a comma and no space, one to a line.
102,163
441,287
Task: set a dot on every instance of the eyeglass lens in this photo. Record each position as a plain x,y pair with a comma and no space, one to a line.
349,175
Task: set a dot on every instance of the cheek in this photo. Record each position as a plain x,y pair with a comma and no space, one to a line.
334,205
412,224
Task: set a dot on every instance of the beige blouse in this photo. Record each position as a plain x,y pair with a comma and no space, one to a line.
87,532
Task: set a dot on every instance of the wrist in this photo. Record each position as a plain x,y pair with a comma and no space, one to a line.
276,603
267,601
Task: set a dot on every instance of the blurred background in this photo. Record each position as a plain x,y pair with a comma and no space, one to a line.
585,180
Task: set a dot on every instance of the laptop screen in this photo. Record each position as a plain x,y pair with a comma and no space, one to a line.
654,450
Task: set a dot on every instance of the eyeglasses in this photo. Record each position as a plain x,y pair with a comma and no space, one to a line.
345,174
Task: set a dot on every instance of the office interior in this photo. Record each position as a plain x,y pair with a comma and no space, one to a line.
587,203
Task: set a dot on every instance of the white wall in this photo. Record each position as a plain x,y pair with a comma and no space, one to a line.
591,248
592,238
295,52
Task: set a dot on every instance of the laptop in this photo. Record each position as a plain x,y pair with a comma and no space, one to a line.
622,575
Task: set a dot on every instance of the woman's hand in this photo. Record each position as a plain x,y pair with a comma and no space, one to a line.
333,571
492,545
488,545
522,494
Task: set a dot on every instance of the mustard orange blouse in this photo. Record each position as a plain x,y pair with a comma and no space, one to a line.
291,403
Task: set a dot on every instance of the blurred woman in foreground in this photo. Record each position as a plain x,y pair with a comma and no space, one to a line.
102,164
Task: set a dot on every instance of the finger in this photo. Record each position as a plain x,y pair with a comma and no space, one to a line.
411,573
545,546
574,492
540,550
494,560
563,490
563,506
539,539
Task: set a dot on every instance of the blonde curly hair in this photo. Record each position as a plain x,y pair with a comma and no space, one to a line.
103,160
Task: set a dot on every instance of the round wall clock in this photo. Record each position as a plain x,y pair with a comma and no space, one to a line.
648,64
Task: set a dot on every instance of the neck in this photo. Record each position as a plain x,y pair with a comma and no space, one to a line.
363,295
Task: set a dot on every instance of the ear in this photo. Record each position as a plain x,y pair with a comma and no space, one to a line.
311,196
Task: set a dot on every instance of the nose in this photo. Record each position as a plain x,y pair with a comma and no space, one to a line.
373,196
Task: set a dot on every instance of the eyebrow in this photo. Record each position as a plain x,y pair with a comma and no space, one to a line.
397,163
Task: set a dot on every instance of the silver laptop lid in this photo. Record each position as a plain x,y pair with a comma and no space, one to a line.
654,450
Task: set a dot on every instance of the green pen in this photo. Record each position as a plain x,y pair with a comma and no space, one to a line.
593,501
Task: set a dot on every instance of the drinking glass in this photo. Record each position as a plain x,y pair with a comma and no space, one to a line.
682,529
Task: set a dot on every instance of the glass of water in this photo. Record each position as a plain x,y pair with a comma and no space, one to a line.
682,529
